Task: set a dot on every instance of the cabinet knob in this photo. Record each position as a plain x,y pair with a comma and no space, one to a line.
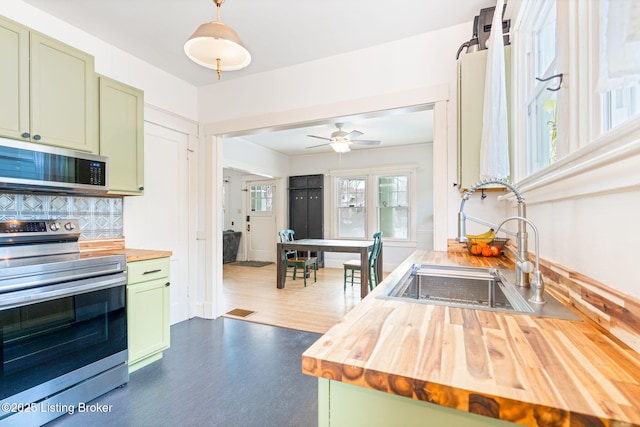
26,134
37,137
141,188
167,284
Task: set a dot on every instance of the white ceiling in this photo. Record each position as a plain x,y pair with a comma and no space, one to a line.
278,33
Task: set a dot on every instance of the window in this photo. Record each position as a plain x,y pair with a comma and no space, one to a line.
261,198
393,206
589,126
540,30
389,197
619,105
618,37
352,205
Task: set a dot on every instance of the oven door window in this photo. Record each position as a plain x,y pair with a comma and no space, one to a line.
43,341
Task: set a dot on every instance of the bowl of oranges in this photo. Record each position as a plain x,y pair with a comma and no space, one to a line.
485,244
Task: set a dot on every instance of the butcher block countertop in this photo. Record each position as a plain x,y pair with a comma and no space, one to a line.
529,370
116,247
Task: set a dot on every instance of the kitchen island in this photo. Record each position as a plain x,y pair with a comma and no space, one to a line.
401,361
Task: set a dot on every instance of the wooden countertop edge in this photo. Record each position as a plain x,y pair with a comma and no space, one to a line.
474,401
471,401
116,247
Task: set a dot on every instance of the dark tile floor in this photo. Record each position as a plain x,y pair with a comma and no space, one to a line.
221,372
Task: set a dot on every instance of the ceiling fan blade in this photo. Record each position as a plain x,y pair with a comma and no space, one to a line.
316,146
353,134
320,137
365,142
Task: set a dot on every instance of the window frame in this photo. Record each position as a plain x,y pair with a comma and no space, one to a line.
595,159
372,221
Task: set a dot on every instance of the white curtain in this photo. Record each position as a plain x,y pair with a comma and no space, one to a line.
619,44
494,146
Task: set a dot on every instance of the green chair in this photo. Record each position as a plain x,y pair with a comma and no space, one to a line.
353,266
295,261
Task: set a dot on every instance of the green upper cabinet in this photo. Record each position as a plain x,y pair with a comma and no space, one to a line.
14,79
122,135
51,90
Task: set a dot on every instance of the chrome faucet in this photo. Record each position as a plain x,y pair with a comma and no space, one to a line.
525,266
522,255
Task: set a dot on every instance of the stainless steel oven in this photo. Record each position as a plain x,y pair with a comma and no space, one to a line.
63,326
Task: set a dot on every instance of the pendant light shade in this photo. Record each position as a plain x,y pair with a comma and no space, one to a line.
217,46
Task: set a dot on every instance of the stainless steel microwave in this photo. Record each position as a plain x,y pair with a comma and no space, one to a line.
27,166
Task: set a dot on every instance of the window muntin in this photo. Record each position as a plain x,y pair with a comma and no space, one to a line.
261,198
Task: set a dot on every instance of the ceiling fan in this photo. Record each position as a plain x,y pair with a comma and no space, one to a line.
341,140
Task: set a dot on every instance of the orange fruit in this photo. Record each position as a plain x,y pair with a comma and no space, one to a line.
494,250
486,251
475,250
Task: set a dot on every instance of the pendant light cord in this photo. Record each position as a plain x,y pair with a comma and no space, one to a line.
218,6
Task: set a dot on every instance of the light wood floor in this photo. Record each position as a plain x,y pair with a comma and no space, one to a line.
314,309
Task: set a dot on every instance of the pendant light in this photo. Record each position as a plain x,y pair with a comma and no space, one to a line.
217,46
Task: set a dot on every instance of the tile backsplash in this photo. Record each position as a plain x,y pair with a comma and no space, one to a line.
99,217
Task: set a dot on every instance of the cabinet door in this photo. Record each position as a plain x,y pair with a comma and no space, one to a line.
298,213
122,135
63,91
14,79
147,318
315,214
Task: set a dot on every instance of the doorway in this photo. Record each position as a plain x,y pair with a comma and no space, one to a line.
165,202
239,151
260,220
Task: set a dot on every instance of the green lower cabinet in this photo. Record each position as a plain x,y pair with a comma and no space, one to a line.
346,405
147,311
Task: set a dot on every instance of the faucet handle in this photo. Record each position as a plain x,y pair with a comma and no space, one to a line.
526,266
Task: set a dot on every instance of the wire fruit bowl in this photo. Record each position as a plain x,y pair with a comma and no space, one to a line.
476,246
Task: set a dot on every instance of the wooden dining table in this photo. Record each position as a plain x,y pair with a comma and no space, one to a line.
362,247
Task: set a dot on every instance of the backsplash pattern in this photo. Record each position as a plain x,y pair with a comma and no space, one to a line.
99,217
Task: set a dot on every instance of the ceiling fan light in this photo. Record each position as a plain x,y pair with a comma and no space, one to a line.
342,146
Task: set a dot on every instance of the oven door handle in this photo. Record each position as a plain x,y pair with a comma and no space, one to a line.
62,290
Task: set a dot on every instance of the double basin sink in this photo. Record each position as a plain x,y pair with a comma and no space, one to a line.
471,287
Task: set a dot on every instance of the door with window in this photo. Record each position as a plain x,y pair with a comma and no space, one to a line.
260,225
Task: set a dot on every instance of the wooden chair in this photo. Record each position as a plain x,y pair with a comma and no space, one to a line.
295,261
353,266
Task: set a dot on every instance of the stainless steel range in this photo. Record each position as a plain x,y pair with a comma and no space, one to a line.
63,326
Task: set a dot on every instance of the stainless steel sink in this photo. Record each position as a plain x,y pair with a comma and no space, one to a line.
470,287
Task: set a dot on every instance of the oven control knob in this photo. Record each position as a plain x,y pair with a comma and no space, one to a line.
54,226
69,226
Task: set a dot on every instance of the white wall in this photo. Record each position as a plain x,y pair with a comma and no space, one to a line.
284,96
247,156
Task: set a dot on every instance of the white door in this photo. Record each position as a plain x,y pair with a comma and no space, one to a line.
158,219
260,221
